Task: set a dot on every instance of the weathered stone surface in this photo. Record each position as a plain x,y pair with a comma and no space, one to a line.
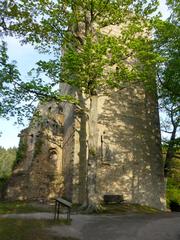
129,153
129,161
38,174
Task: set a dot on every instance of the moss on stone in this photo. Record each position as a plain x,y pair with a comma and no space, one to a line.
21,152
38,146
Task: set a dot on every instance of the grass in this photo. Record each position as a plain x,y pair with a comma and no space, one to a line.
23,207
21,229
123,208
111,208
27,229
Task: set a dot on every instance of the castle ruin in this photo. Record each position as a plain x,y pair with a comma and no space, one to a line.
129,162
55,161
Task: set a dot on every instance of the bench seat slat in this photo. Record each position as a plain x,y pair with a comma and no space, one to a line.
64,202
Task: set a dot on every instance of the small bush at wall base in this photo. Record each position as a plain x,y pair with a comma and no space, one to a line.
173,195
3,182
21,153
174,206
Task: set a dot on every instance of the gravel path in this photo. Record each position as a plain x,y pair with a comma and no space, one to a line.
114,227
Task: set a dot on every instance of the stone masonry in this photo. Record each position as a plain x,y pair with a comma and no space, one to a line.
38,174
129,149
55,156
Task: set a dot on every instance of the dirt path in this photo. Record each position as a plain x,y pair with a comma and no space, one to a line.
110,227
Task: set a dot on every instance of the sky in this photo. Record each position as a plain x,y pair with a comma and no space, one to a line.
26,58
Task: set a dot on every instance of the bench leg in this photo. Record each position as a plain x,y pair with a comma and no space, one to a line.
55,210
58,211
68,214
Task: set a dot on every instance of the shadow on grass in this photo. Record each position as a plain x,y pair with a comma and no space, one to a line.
125,208
111,208
23,207
21,229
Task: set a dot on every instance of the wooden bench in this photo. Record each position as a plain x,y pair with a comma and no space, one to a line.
108,198
62,202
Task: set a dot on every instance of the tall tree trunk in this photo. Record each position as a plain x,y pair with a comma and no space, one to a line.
82,152
92,152
170,152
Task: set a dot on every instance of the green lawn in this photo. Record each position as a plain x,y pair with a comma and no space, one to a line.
27,229
122,208
23,207
21,229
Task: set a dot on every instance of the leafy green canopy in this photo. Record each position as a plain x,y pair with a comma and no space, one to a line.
84,55
18,97
167,44
7,159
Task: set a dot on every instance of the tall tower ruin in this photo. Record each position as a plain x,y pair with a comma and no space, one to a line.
129,161
129,149
55,158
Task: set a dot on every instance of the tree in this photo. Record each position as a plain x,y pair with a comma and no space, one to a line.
175,12
7,160
18,97
168,46
91,60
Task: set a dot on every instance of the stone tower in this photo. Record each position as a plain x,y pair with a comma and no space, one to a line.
129,149
129,159
55,151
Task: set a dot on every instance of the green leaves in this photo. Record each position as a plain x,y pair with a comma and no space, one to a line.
7,158
19,98
96,45
84,68
8,75
167,43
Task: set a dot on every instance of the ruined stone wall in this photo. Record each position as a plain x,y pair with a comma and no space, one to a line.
71,146
129,149
38,174
55,157
129,142
74,147
68,149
